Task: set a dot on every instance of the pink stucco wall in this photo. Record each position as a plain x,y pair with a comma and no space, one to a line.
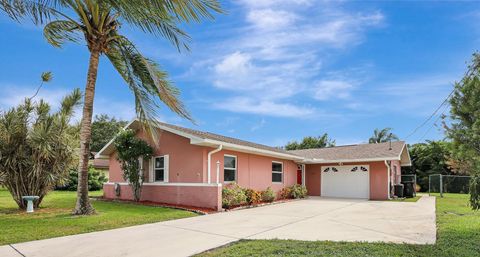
255,171
188,164
199,196
378,179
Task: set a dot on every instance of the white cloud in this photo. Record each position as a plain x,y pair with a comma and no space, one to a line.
279,54
264,107
268,19
332,89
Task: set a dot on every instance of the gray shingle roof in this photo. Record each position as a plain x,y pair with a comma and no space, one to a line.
354,152
212,136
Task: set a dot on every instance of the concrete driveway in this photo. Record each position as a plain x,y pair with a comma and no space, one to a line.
314,218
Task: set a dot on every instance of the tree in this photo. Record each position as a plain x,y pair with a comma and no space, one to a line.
104,129
311,142
36,149
381,136
131,153
97,23
431,157
464,128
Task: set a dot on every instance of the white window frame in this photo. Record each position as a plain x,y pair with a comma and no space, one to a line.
166,164
228,168
281,172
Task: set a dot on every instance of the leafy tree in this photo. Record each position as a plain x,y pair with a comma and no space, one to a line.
381,136
97,23
104,129
311,142
131,153
35,147
432,157
96,178
464,128
45,78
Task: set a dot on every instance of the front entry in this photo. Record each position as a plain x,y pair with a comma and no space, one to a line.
299,175
348,181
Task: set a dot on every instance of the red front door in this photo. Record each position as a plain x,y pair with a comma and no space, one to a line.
299,177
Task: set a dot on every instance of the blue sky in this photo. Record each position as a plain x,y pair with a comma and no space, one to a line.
273,71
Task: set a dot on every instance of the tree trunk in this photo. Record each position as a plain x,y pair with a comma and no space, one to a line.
83,206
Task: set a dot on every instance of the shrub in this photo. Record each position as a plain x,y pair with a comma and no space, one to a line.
131,151
96,178
298,191
233,195
36,149
475,192
253,196
268,195
286,193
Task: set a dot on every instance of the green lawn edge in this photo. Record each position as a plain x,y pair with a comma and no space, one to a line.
458,234
53,219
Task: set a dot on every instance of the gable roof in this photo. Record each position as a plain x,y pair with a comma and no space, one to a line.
203,138
361,152
348,153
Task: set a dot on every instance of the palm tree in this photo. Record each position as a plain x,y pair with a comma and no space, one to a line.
97,23
381,136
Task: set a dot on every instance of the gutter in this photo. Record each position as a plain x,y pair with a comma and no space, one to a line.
209,164
387,163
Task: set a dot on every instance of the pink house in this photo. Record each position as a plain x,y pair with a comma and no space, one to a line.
190,167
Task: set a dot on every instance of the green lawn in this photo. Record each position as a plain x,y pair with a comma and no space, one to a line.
53,219
458,234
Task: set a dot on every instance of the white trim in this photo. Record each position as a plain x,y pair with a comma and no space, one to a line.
281,172
405,148
228,168
388,180
99,155
168,184
249,149
194,140
166,170
323,161
303,175
209,164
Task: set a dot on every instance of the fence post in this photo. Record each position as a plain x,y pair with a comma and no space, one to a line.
441,185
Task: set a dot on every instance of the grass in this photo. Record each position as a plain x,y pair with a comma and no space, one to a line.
53,219
458,234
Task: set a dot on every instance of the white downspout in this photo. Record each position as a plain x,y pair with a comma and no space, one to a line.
388,174
209,164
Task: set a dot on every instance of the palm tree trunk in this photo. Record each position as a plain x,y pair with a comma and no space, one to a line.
83,206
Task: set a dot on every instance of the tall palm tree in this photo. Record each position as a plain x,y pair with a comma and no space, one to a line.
381,136
97,23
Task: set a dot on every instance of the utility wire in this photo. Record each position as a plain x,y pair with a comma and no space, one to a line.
431,116
434,123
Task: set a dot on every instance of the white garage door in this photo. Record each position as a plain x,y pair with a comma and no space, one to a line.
345,181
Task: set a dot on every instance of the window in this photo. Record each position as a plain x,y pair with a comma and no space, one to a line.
229,168
277,172
160,169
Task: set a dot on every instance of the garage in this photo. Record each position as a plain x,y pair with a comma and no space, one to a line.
346,181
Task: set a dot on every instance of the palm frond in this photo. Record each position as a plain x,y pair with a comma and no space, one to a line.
161,17
148,83
39,11
59,31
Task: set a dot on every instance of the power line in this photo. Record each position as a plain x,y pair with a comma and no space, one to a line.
431,116
434,123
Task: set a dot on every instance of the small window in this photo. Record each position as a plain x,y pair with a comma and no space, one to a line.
229,168
277,172
159,168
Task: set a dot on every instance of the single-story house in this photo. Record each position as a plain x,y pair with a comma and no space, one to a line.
191,167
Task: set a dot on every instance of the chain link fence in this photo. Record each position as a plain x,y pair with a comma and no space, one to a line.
439,184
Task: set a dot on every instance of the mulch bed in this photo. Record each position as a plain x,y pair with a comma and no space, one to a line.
198,210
